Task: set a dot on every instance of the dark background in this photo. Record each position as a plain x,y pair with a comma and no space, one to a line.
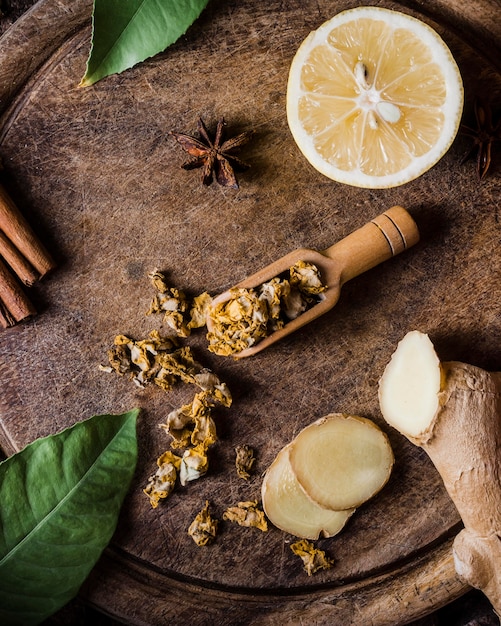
472,609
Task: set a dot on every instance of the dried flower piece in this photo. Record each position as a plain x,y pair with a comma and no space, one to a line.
194,464
161,484
203,528
244,461
220,394
139,358
238,322
273,293
171,302
198,310
164,379
192,423
175,307
215,157
180,314
204,433
157,279
313,558
249,315
306,277
158,360
119,355
178,426
214,391
295,303
181,363
247,514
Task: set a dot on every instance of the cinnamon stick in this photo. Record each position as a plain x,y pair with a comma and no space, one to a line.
20,266
6,318
19,232
15,305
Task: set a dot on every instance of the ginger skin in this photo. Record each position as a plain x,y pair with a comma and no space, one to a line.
463,440
471,421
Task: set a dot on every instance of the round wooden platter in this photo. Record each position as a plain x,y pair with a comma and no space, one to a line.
98,176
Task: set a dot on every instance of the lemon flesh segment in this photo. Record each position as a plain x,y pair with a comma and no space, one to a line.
374,98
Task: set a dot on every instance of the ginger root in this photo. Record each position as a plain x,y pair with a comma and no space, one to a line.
453,411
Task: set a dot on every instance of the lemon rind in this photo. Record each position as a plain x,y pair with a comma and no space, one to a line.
453,105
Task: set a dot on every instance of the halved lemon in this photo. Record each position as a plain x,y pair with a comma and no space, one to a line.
374,98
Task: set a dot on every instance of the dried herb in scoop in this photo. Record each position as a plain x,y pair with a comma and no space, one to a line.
215,156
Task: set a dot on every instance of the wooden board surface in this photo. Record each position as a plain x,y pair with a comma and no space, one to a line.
98,176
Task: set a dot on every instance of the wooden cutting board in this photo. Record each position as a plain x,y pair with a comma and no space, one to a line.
98,176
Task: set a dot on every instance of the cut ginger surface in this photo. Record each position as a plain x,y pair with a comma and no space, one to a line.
316,481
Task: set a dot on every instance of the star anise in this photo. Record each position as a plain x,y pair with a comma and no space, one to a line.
483,136
215,157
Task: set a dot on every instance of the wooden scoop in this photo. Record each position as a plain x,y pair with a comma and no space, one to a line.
384,237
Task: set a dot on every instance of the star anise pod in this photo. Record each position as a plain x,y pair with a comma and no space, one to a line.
214,156
483,136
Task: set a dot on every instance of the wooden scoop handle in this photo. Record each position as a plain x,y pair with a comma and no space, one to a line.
380,239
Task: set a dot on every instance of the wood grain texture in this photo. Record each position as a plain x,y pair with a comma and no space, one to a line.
98,175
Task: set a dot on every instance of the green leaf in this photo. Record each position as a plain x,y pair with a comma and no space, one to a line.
60,498
126,32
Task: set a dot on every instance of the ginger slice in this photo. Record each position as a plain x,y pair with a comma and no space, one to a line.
288,507
341,460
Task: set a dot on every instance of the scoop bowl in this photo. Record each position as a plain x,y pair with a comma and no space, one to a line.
382,238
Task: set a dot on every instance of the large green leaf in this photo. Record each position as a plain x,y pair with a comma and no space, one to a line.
59,503
126,32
